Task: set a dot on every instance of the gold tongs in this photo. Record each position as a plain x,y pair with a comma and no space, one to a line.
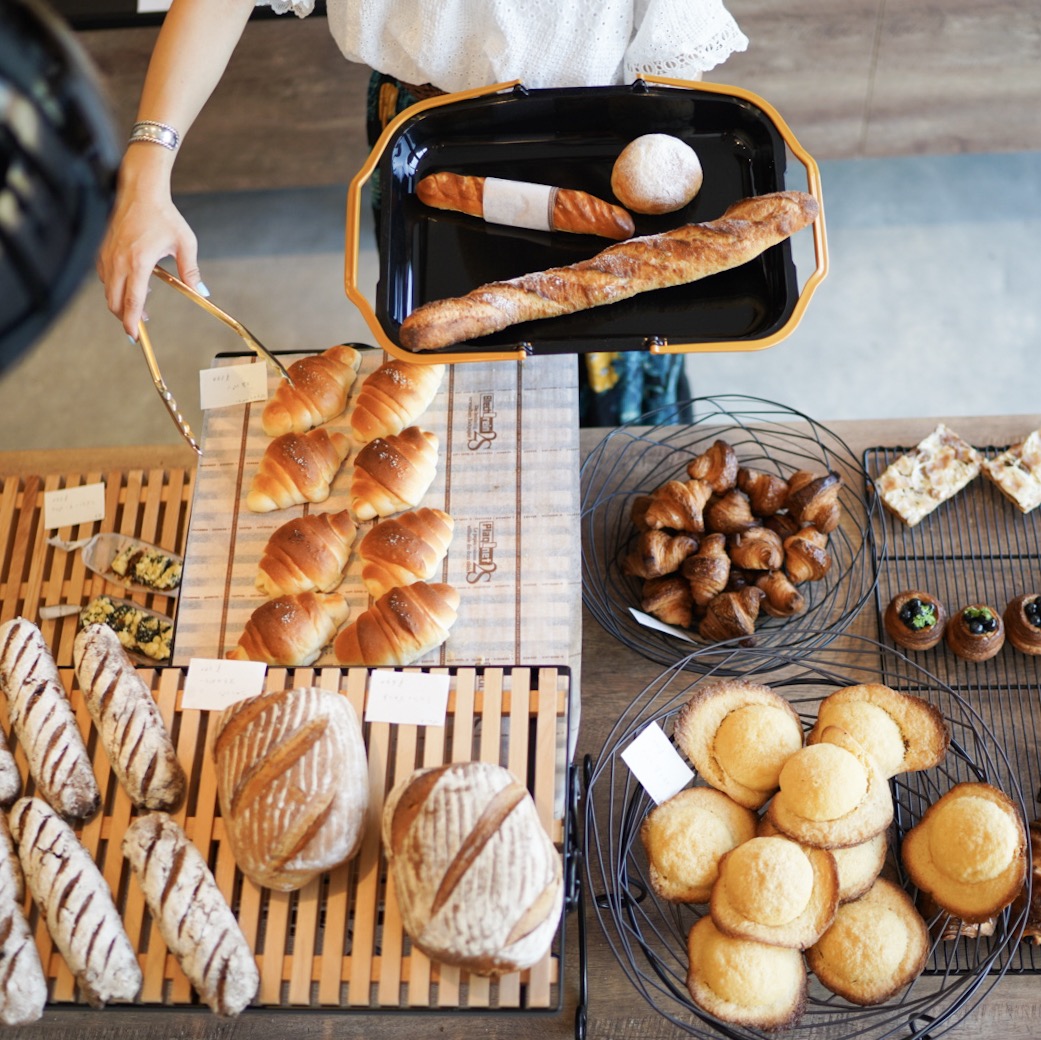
153,365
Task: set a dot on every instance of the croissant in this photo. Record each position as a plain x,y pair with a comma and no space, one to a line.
717,466
393,473
730,514
766,492
307,552
732,615
668,598
679,505
404,549
757,549
813,499
392,397
782,524
401,626
291,630
658,552
782,598
297,468
806,557
708,569
318,393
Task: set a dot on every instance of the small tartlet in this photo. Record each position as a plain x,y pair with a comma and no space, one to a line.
1022,619
915,620
976,632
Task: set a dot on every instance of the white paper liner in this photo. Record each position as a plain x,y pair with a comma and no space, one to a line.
518,203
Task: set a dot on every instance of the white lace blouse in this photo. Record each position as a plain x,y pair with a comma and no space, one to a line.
461,44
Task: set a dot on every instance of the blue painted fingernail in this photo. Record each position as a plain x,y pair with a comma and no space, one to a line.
133,341
200,288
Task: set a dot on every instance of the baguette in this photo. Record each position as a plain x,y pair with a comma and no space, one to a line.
76,904
677,257
569,210
45,723
194,919
23,986
127,720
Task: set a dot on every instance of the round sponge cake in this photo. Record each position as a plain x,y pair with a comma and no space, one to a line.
876,945
686,836
656,173
969,851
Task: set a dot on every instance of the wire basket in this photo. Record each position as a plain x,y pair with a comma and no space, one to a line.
640,456
648,935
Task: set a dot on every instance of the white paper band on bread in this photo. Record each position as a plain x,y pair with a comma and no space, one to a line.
519,203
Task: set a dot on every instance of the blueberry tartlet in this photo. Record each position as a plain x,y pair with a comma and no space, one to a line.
1023,623
915,620
976,632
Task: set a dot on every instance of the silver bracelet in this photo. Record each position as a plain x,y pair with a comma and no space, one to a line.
155,133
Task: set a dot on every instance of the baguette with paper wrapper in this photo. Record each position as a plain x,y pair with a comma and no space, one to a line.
685,254
514,202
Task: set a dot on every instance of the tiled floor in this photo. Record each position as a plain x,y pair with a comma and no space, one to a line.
931,307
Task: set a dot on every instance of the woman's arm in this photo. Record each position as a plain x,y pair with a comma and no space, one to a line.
191,53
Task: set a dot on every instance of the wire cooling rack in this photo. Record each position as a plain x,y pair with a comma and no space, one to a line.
648,935
975,548
640,456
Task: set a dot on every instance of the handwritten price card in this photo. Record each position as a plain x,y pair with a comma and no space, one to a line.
67,507
407,698
232,385
214,684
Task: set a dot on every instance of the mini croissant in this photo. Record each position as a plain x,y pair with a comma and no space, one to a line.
401,626
708,570
717,467
766,492
668,599
678,505
813,499
782,598
297,468
319,390
291,630
307,552
657,552
732,614
393,473
757,549
392,397
730,513
806,556
404,549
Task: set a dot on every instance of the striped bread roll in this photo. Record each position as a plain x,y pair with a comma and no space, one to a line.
477,879
194,919
128,720
44,722
75,903
23,986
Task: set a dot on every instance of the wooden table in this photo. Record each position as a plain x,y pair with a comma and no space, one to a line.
612,674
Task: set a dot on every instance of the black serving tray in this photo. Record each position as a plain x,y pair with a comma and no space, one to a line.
571,138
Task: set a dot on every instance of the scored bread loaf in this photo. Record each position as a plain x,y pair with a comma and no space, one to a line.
45,723
393,473
291,630
746,229
477,879
400,627
392,397
128,721
318,393
76,904
297,468
193,916
292,779
23,986
307,552
404,549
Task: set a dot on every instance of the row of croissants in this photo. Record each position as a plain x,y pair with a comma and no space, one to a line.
305,559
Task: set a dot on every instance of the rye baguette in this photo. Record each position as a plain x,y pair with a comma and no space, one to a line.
748,228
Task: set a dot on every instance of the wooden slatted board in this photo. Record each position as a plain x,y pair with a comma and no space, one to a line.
338,941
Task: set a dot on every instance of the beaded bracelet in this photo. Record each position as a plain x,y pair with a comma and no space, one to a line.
155,133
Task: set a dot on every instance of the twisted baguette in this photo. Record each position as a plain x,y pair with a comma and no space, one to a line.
688,253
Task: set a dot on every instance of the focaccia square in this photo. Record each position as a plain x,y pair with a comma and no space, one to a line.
1017,472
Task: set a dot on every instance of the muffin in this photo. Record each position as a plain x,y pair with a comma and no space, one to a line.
686,836
976,632
915,620
1023,623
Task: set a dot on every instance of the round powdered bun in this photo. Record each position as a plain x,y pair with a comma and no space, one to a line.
969,851
738,734
901,732
857,865
685,838
876,945
776,891
656,173
832,794
745,982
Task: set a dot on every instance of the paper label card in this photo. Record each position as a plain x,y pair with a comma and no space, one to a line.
649,621
657,764
213,684
67,507
407,698
232,385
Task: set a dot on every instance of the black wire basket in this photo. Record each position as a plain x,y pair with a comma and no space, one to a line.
648,935
640,456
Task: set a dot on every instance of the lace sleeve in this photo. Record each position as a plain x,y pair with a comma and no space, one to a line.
301,8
